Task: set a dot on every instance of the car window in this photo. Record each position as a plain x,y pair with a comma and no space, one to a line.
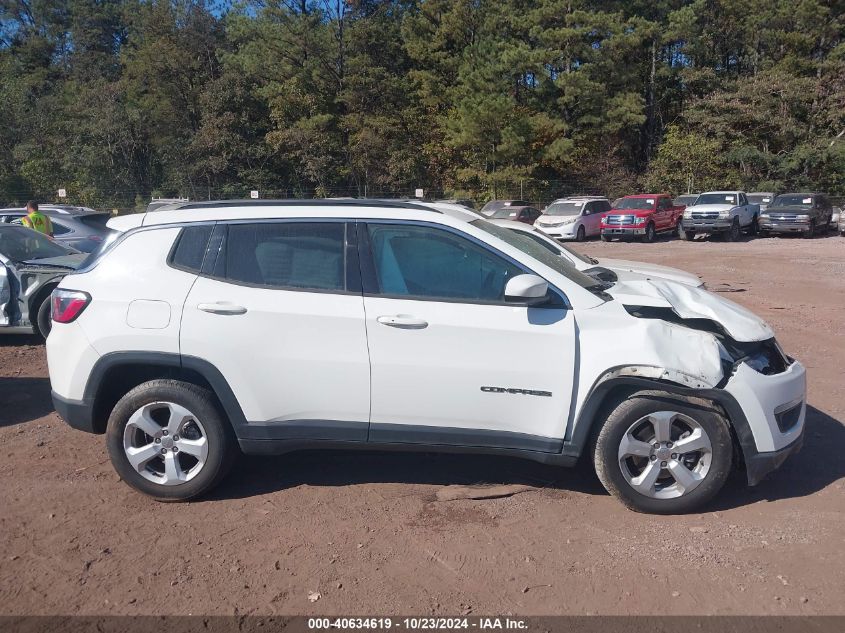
60,229
190,248
431,263
293,255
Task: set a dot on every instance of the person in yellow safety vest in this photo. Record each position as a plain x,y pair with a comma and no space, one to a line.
36,220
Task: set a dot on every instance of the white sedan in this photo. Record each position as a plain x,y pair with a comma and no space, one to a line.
624,270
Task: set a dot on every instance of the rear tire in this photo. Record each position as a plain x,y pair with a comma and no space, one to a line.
668,479
146,424
44,318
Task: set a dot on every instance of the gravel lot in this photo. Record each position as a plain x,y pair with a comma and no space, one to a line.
365,533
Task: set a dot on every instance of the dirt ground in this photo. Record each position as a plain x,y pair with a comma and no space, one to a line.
366,533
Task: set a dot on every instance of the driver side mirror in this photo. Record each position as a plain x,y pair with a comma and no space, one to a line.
529,290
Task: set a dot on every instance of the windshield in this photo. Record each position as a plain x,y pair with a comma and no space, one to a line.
21,244
541,253
495,205
564,208
716,198
759,198
556,247
635,203
804,200
504,214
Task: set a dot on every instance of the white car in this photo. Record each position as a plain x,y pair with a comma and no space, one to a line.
726,213
620,269
573,218
269,327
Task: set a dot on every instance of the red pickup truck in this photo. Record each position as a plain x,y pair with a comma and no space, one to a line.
642,217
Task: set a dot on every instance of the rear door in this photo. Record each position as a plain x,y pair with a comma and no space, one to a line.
279,313
452,362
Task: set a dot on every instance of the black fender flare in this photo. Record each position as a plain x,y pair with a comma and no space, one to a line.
588,417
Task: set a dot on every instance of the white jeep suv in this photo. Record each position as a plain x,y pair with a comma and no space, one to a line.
275,326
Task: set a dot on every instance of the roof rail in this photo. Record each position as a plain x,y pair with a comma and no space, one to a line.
361,202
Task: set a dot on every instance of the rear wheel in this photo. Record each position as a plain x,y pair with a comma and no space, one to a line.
581,234
663,454
167,439
44,318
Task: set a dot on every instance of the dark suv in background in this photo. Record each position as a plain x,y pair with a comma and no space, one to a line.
804,213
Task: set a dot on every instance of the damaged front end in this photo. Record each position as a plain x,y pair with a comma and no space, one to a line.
23,288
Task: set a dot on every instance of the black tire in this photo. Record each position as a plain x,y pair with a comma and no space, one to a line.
754,229
44,318
581,234
650,233
810,233
735,232
608,466
202,404
689,236
764,234
678,230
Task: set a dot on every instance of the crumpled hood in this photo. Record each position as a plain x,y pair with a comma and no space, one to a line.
694,303
703,208
651,271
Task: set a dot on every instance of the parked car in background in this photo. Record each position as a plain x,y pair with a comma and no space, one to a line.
604,268
448,334
525,215
464,202
496,205
726,213
573,218
839,220
81,228
31,265
641,217
804,213
763,198
685,200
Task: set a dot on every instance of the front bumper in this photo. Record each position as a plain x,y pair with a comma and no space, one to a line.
622,231
706,226
777,226
562,232
774,408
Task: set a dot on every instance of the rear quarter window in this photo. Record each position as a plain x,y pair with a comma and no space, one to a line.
189,249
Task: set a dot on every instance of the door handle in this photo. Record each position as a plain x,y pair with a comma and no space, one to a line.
221,308
403,321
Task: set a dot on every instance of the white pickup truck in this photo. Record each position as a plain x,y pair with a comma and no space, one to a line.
727,212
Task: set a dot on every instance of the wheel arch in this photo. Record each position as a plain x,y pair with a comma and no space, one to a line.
609,392
117,373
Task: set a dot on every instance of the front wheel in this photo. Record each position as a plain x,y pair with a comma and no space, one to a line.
650,233
662,454
755,226
735,232
581,235
167,439
811,230
677,230
689,236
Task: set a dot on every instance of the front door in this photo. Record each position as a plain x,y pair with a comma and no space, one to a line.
452,362
278,314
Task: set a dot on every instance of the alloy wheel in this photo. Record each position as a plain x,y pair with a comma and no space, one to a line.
665,455
165,443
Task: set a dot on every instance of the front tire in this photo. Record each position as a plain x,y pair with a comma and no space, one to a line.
755,226
735,232
650,233
167,439
811,230
581,234
689,236
663,454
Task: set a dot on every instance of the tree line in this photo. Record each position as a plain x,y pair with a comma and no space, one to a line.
120,100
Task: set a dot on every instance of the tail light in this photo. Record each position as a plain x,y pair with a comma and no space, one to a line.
68,304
